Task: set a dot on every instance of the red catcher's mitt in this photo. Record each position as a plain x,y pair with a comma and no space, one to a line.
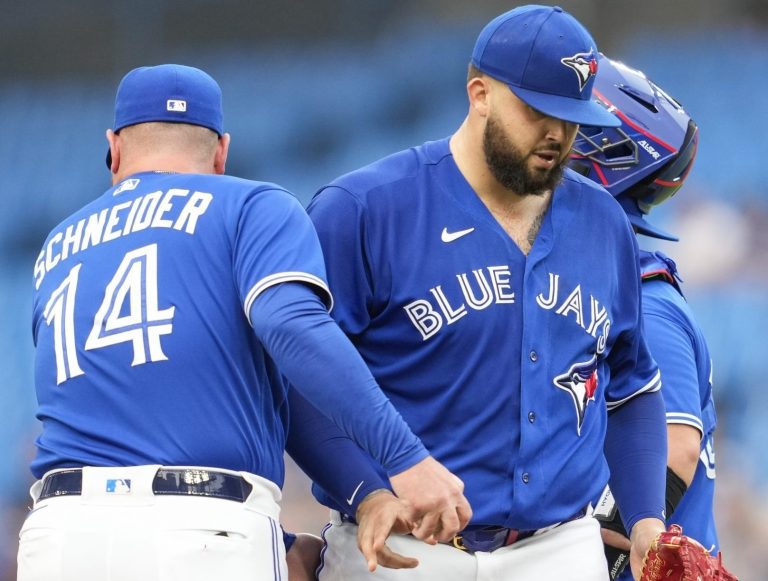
675,557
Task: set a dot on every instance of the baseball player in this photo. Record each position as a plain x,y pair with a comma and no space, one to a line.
166,313
643,163
495,295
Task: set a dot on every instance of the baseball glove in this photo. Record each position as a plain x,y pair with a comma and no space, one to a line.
676,557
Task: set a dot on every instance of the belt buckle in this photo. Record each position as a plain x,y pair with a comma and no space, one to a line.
201,482
487,539
458,543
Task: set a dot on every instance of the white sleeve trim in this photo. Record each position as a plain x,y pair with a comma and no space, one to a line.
280,277
687,419
653,385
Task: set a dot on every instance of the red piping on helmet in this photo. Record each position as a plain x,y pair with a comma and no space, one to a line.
626,120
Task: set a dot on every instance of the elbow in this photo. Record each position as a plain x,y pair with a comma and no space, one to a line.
684,447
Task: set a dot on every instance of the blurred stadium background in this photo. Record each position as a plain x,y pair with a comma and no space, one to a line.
315,89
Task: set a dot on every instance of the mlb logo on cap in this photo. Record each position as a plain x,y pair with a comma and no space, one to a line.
176,105
547,59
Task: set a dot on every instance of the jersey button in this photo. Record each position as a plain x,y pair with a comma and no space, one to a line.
534,356
526,477
531,417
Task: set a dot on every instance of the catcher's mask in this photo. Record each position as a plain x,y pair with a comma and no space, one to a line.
646,160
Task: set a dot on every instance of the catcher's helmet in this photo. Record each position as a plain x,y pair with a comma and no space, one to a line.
646,160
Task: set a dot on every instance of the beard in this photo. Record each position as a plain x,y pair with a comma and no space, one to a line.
510,167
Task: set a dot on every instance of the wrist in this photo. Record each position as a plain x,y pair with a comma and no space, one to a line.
367,498
647,527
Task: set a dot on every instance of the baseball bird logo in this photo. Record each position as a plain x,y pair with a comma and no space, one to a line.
585,66
581,383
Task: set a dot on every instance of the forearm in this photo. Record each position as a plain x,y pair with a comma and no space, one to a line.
319,361
329,457
636,451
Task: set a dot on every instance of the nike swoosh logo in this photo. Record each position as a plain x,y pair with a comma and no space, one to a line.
451,236
351,499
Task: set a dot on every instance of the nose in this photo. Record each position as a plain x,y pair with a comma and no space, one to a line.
556,129
560,131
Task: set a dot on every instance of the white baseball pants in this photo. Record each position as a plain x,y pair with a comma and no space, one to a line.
572,551
110,533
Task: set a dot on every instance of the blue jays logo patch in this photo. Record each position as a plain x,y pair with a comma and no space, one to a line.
585,66
581,383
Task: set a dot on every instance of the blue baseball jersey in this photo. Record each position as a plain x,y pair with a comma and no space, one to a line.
679,347
145,353
504,364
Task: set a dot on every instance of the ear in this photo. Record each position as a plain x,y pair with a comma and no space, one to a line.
478,91
220,157
114,150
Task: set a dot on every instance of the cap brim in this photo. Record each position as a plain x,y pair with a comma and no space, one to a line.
572,110
647,229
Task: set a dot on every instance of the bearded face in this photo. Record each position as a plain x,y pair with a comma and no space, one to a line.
513,169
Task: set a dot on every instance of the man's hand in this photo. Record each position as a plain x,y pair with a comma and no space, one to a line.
643,533
378,515
436,497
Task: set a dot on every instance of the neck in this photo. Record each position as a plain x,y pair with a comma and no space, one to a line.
519,215
163,164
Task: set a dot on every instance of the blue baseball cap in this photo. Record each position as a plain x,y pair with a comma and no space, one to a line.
168,93
548,59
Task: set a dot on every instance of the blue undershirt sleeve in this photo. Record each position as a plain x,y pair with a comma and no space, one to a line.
318,360
329,457
636,451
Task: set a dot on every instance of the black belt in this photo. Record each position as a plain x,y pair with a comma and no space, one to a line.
487,539
477,538
167,481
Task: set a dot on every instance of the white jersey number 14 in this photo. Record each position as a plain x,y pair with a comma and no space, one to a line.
132,291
